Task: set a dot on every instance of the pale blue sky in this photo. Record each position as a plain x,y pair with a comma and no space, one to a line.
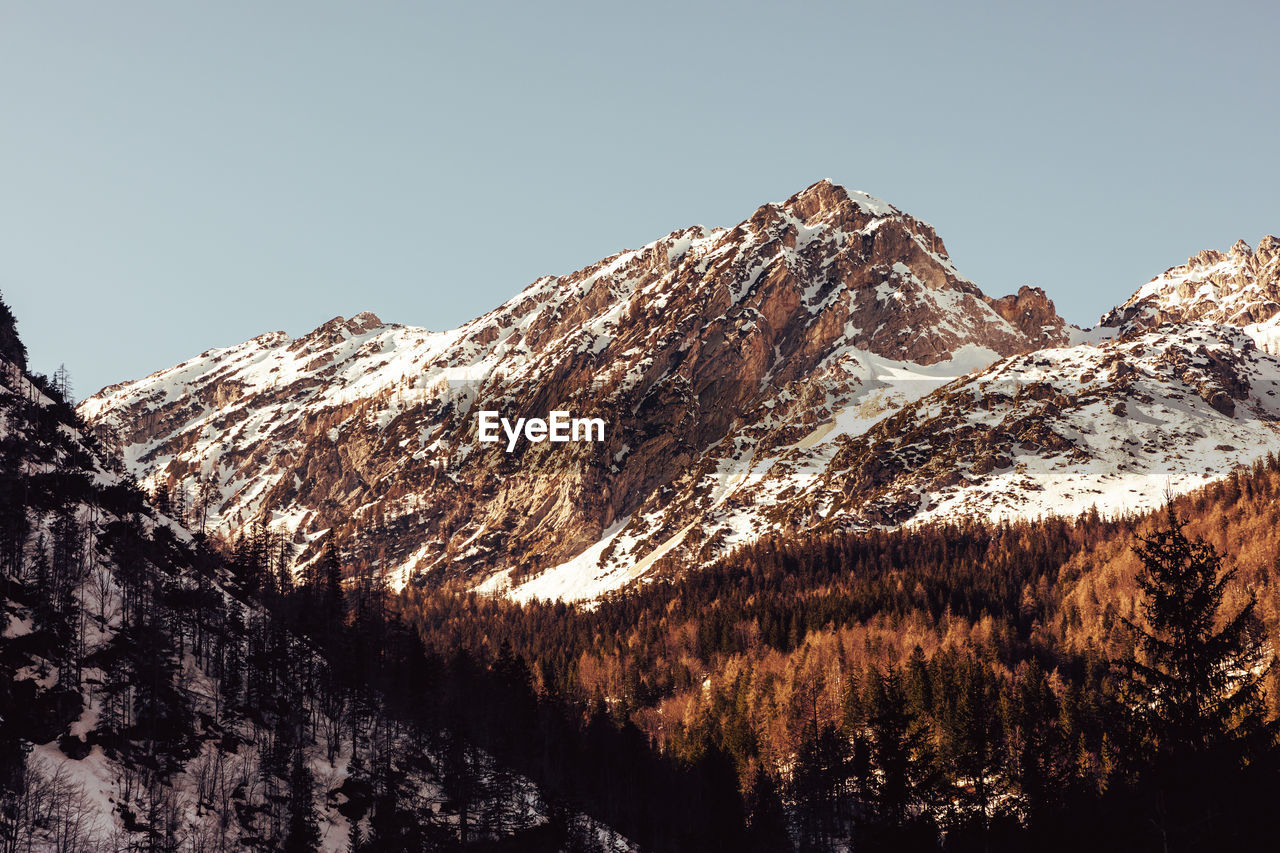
177,176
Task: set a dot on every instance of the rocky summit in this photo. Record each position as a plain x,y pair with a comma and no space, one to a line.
1239,287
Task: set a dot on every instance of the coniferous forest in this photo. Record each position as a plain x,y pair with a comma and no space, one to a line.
1101,683
1049,685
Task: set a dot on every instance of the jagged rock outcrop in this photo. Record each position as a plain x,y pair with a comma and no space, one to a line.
1239,287
1032,312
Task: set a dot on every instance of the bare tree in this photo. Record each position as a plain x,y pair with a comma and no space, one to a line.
51,811
62,384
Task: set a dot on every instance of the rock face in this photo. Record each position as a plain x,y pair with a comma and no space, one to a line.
1239,287
1032,312
820,364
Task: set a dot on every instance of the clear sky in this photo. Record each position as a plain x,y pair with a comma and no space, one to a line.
178,176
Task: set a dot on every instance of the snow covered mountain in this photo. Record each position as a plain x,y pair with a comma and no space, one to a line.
361,429
1240,287
821,363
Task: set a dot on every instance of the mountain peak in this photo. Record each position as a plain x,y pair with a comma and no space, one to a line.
366,320
338,329
824,198
1239,287
363,322
698,340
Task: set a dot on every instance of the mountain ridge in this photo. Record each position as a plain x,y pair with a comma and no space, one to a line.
1239,287
735,366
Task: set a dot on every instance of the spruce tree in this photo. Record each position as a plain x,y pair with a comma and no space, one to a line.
907,778
1199,675
333,604
11,347
817,784
975,735
62,384
1039,763
1196,686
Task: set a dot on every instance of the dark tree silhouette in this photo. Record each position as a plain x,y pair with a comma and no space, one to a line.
1196,685
12,349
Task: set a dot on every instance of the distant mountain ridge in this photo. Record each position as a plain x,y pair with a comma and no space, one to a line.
755,378
1239,287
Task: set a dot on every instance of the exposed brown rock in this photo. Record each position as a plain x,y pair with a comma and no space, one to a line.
1032,312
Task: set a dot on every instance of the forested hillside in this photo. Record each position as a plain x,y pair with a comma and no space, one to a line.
896,687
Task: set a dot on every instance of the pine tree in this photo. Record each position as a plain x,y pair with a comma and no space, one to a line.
231,685
975,739
1196,683
333,604
766,819
907,777
12,350
1201,683
817,784
205,491
1038,763
62,384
